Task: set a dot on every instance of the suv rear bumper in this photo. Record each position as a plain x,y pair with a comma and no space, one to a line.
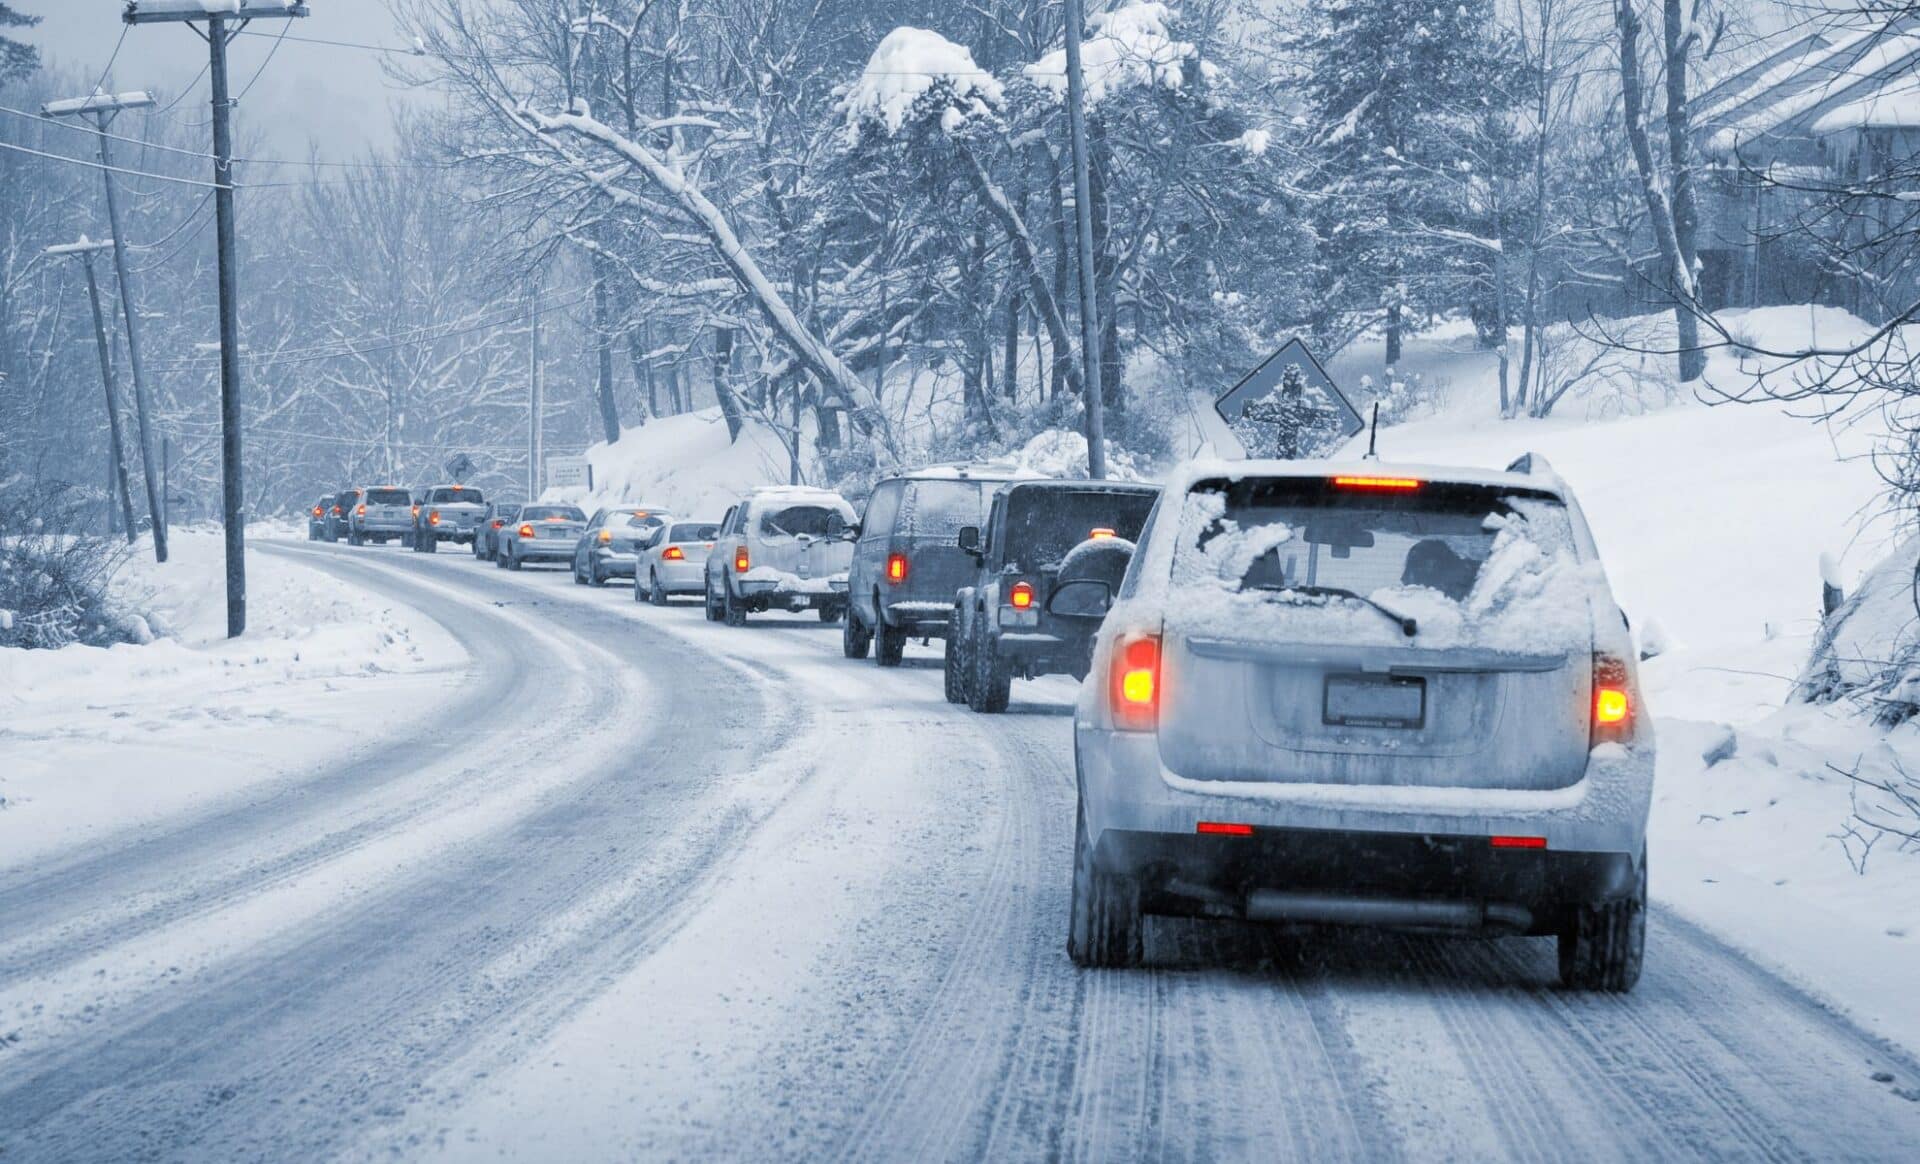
1127,789
918,617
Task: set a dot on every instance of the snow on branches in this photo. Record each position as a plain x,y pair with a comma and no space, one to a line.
910,64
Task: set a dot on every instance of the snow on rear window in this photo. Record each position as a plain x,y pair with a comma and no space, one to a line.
1295,559
940,509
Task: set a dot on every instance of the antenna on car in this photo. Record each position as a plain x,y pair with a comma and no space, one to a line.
1373,434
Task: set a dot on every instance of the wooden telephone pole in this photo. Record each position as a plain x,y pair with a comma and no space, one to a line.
1083,220
222,27
102,108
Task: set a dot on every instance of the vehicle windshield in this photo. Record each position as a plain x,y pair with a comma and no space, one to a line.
389,497
940,509
795,520
456,497
690,532
1044,524
1446,555
552,513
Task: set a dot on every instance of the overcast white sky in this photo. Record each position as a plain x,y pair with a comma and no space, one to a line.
336,98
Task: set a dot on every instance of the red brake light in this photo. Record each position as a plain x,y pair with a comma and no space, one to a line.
1612,701
606,535
896,568
499,523
360,511
416,511
1519,842
740,562
433,518
673,554
1022,596
554,517
1102,534
526,529
1386,483
1223,829
336,511
317,511
458,488
642,514
1136,683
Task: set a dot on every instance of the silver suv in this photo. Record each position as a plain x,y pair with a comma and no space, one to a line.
1356,694
782,548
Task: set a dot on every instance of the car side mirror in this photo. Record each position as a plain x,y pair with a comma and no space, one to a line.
970,539
852,532
1085,598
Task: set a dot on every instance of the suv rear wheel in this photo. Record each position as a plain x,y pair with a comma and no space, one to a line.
732,608
855,638
1603,946
1104,926
954,677
429,542
656,591
990,685
715,609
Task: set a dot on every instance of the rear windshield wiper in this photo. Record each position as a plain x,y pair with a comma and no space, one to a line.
1408,626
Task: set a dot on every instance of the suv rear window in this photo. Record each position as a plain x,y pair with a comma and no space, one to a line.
1446,554
456,497
939,509
389,497
1044,524
794,520
693,533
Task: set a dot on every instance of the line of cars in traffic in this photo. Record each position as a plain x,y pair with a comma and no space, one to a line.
1312,693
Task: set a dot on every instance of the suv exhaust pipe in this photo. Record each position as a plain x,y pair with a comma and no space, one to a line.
1274,905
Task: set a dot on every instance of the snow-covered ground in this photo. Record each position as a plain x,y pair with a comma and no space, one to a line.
98,740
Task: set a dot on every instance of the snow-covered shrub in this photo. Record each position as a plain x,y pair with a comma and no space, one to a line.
1868,651
54,574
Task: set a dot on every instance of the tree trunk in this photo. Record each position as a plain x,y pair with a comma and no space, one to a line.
1010,361
603,349
723,381
1044,297
1106,271
1660,214
1686,208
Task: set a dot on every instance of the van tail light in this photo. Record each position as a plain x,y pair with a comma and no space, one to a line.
741,563
1612,700
606,536
1136,683
526,530
336,511
360,511
673,554
896,568
433,518
1021,597
317,511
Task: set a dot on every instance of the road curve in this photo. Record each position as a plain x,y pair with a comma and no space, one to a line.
800,909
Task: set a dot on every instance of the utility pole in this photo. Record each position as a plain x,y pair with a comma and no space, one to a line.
1083,217
222,26
536,402
84,250
103,109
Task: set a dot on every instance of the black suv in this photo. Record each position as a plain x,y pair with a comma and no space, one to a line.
1039,535
907,563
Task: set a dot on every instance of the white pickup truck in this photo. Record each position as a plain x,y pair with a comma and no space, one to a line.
446,513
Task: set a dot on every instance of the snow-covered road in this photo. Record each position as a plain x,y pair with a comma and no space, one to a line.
645,886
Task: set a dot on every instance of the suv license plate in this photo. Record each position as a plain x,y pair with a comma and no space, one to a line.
1394,701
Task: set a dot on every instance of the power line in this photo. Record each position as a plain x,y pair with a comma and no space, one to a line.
271,53
112,169
206,157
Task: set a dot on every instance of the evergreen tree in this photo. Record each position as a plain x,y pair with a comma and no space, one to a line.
1393,88
16,59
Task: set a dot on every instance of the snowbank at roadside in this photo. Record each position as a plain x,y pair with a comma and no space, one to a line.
684,464
1713,522
97,739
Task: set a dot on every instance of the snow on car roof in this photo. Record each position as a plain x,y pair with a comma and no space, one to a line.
794,493
989,471
1185,476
